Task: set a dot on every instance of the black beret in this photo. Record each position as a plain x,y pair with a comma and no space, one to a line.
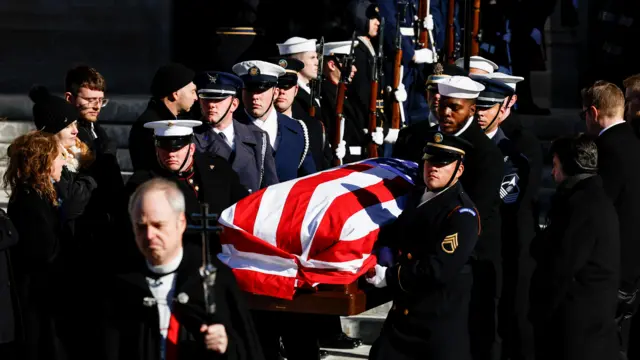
51,113
170,78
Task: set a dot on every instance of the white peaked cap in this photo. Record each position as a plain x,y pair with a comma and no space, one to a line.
338,48
296,45
460,87
172,127
257,67
478,62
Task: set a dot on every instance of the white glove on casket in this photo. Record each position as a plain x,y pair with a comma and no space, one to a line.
341,150
423,56
392,136
378,136
428,22
400,94
380,279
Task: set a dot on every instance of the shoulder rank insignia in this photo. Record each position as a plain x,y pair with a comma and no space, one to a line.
509,189
450,243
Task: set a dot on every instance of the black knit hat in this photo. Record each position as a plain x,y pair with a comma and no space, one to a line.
170,78
51,113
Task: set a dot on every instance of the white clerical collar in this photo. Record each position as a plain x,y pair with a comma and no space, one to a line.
492,134
610,126
464,128
167,268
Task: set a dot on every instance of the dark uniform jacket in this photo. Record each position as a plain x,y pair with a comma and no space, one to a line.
354,125
574,288
431,281
130,330
318,140
411,142
293,158
41,276
252,158
212,181
618,154
141,145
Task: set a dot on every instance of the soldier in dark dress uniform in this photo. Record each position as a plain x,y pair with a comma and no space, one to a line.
618,152
575,284
518,225
288,89
482,179
431,282
246,148
203,178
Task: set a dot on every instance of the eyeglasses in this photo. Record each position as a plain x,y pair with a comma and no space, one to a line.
102,102
583,114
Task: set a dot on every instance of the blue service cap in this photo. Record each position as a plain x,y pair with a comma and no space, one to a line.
217,84
494,92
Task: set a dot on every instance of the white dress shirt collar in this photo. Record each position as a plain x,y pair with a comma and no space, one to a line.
229,135
464,128
492,134
269,125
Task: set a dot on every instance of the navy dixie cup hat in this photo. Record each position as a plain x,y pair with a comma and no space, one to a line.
258,75
291,67
443,149
217,85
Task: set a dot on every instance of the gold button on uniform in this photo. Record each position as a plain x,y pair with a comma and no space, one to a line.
409,256
406,311
197,188
190,181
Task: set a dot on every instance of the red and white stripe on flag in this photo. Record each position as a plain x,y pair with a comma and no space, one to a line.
317,229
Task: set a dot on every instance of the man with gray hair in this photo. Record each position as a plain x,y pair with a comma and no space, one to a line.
156,310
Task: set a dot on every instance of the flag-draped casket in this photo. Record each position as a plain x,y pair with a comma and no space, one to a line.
319,229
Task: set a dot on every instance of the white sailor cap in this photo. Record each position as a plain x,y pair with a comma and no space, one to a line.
338,48
478,62
297,45
507,79
166,128
258,74
460,87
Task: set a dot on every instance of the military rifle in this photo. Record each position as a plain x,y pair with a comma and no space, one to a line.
397,65
315,85
476,36
376,75
451,33
208,271
345,73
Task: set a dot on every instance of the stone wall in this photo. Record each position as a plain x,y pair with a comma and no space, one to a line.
126,40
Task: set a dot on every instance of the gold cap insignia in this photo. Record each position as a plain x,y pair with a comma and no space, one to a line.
213,78
283,63
450,243
170,124
377,9
438,138
254,71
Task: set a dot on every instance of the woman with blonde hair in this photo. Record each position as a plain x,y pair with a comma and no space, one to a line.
38,264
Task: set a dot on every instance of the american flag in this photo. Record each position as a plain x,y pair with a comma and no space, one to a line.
317,229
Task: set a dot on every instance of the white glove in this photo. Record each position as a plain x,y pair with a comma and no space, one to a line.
400,94
536,35
423,56
378,136
392,136
341,150
428,22
380,279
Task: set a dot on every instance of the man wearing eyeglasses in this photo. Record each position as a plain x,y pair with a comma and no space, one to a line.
85,88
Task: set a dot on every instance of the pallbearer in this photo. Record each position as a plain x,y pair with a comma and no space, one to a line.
433,241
